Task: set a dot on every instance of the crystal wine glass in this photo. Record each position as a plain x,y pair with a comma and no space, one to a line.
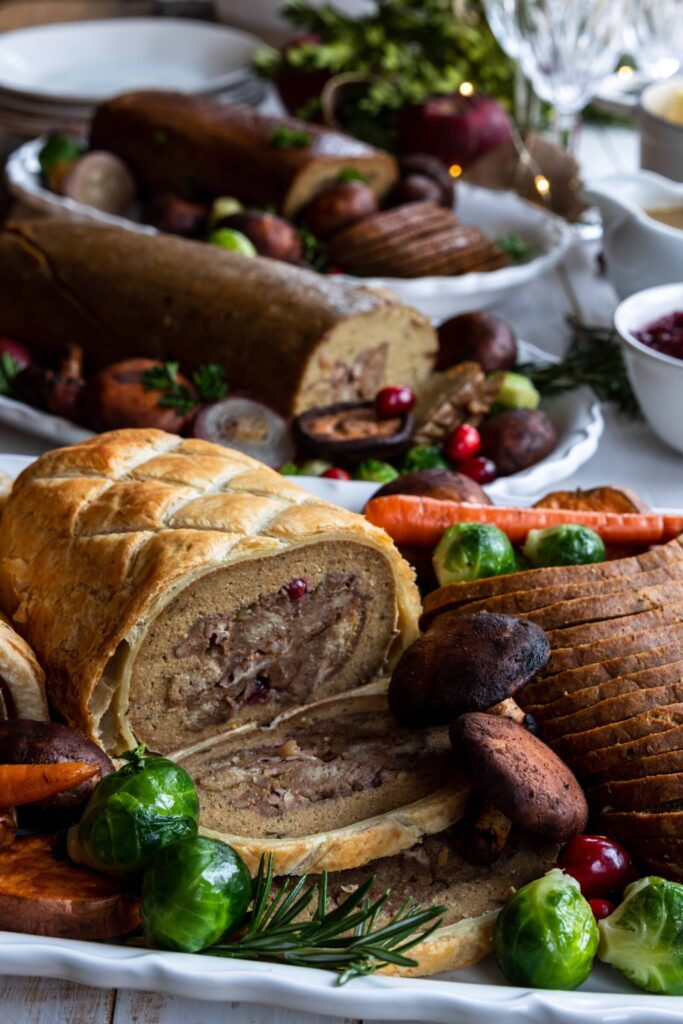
567,47
655,36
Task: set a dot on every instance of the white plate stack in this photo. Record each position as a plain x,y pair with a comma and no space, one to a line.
53,76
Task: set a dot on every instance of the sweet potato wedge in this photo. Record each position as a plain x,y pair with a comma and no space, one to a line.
42,895
597,499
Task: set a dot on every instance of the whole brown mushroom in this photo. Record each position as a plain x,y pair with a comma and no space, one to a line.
517,439
444,484
480,337
339,206
117,397
416,188
270,235
429,166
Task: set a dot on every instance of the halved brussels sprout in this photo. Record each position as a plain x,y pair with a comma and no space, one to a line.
569,544
375,471
424,456
133,813
235,241
546,935
643,937
470,551
193,893
515,391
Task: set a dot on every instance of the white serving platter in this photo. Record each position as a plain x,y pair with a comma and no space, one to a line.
496,213
576,415
89,61
471,996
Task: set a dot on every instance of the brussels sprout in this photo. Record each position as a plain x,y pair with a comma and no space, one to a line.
424,456
375,471
59,149
289,469
470,551
193,893
546,935
314,467
133,813
643,937
235,241
569,544
515,392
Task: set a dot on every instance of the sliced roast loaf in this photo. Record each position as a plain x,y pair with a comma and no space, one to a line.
152,576
175,143
335,785
22,680
435,872
290,336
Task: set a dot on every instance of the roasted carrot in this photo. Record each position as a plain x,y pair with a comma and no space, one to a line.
27,783
410,519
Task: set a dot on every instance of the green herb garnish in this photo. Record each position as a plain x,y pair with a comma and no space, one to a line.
351,174
173,395
285,137
517,248
9,368
593,358
345,938
314,251
210,382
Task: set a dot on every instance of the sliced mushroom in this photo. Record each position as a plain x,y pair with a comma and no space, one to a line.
347,432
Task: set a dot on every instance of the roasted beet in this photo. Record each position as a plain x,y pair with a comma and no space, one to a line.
339,206
270,235
437,483
177,216
478,337
23,741
517,439
348,432
117,397
463,663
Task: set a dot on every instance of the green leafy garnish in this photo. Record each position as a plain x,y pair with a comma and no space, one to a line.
285,137
59,149
345,939
210,382
314,251
519,250
351,174
9,368
593,358
173,395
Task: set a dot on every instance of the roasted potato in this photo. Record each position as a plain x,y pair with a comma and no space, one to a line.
517,439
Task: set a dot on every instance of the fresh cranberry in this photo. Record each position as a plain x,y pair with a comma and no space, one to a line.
601,908
296,589
599,865
394,401
463,443
336,473
479,469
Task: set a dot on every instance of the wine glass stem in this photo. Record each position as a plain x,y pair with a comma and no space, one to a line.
565,130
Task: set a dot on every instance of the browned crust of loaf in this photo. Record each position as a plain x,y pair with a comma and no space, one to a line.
100,533
99,287
22,680
225,149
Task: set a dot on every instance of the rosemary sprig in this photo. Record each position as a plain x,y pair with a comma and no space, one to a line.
593,358
344,939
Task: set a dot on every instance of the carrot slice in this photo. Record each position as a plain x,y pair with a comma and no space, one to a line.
27,783
411,519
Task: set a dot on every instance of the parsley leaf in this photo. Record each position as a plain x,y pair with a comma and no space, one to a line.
210,382
9,368
174,395
285,137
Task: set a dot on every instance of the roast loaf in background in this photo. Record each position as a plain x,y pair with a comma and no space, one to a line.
152,575
293,338
206,148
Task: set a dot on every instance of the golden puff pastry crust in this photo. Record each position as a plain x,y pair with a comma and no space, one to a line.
22,680
146,569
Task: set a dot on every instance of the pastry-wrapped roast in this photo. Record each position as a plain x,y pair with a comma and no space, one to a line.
175,142
294,338
173,589
22,680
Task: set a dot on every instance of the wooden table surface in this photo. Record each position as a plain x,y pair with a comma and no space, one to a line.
628,454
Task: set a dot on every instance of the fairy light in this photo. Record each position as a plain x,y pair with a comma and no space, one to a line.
455,170
466,89
625,71
542,184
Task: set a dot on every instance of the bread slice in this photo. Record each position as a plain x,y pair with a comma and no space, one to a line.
660,762
572,703
653,741
661,821
637,794
435,873
652,720
332,786
612,710
634,640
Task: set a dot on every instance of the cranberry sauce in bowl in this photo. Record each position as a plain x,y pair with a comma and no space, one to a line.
664,334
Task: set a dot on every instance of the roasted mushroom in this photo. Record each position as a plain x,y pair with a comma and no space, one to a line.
416,188
347,432
437,483
339,206
480,337
23,741
517,439
270,235
118,397
427,166
177,216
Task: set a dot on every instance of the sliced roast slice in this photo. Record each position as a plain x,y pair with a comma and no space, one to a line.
652,720
638,794
660,821
435,872
453,595
657,676
635,640
612,710
606,607
332,786
653,740
591,632
660,762
545,691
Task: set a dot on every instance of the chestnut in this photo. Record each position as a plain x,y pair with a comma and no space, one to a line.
339,206
437,483
117,397
270,235
480,337
428,166
415,188
517,439
177,216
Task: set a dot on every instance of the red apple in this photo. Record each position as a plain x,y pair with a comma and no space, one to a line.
455,128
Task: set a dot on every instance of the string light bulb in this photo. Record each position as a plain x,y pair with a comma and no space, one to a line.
625,71
455,170
466,89
542,184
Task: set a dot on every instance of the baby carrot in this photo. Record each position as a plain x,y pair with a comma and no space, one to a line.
27,783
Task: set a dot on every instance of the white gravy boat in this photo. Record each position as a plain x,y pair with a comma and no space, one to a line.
641,252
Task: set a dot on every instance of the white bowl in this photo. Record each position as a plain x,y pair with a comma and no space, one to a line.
656,378
661,139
